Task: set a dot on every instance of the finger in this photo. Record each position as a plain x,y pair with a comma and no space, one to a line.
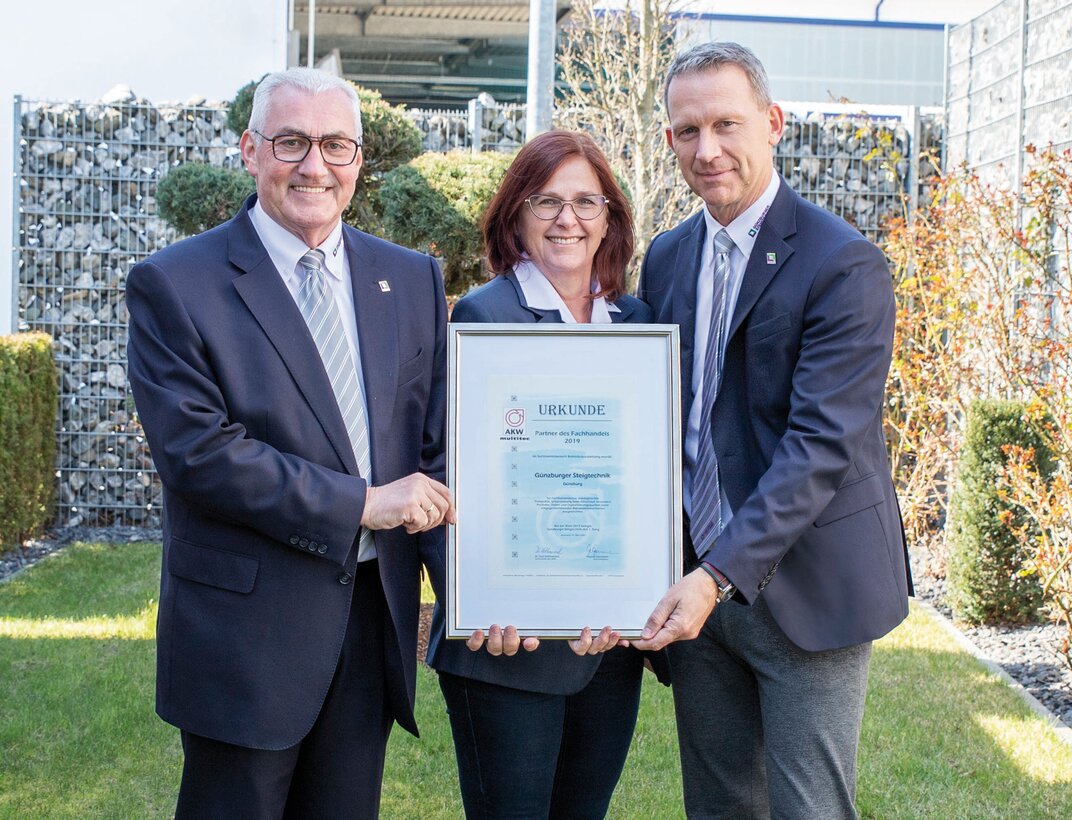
605,641
476,640
440,489
657,618
511,641
495,640
445,501
580,646
531,644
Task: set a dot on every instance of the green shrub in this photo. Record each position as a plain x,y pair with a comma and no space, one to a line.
28,400
195,197
435,203
241,107
390,140
984,556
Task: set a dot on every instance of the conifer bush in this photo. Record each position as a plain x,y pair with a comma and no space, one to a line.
986,557
435,204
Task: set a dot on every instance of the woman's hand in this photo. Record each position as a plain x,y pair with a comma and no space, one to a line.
501,641
588,645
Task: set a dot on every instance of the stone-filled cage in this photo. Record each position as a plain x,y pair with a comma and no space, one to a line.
85,208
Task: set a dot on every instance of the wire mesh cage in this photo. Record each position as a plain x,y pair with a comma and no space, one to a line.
86,212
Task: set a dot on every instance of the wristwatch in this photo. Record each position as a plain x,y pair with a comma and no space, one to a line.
724,584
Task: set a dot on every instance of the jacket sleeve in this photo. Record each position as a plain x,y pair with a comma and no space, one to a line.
432,544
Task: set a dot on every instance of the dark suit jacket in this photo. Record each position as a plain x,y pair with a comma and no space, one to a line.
262,496
797,424
553,668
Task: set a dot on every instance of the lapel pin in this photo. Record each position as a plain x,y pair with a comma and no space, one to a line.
385,286
772,259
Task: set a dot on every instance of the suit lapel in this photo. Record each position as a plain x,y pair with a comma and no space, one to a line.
539,314
686,273
267,297
769,253
376,309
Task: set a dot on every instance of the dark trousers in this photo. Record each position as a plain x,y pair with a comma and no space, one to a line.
337,769
766,729
536,756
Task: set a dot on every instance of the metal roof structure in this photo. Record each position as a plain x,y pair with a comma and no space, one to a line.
424,52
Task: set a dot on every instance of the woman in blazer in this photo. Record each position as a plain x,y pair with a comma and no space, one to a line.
545,733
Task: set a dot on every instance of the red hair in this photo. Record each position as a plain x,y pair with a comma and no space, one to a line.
536,163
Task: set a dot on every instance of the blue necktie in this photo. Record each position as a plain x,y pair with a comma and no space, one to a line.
317,305
706,520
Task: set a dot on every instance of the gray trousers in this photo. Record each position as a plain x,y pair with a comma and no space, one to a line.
766,729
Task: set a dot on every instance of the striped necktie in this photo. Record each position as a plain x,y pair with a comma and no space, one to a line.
317,305
706,520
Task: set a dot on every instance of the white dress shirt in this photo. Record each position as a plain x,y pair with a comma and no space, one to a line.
541,294
743,231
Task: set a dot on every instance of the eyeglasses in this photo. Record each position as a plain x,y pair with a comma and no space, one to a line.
296,147
549,207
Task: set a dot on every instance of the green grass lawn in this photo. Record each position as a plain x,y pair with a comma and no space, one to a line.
78,736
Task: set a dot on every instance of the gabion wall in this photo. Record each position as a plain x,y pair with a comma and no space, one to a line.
87,178
485,126
858,165
86,209
1008,86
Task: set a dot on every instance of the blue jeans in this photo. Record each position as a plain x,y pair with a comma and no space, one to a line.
534,756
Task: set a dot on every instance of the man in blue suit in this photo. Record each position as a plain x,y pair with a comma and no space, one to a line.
797,556
289,374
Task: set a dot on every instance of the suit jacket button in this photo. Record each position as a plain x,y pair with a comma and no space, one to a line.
294,540
304,542
322,548
345,578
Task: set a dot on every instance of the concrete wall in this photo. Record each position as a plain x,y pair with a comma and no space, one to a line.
1009,86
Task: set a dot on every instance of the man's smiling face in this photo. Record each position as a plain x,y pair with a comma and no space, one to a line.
308,197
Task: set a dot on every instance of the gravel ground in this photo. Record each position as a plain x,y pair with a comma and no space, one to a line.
1028,653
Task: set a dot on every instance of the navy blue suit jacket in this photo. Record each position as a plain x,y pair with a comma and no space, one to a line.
262,494
553,668
797,424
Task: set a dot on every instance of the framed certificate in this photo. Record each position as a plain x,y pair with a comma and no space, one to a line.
564,457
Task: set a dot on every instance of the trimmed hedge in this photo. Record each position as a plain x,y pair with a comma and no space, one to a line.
985,557
435,204
195,197
28,401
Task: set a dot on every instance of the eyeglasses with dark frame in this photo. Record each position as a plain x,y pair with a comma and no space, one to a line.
296,147
549,207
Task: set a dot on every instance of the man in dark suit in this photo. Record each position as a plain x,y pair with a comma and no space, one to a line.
798,559
289,374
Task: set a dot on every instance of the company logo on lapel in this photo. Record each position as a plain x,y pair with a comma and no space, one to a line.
385,286
772,259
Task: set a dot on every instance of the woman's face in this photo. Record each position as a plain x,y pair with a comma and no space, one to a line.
564,247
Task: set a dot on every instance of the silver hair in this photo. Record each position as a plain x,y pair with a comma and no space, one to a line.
309,80
713,56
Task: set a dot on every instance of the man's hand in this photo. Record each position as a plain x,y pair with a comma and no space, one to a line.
681,613
501,641
416,502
